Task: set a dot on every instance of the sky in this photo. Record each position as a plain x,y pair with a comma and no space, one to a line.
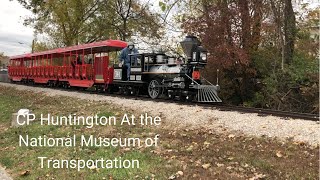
15,38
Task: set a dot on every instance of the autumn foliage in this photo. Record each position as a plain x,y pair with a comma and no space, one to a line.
252,45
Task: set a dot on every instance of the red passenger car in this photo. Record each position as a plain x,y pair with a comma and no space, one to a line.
76,66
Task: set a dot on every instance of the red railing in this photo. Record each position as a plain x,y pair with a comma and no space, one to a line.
70,71
80,72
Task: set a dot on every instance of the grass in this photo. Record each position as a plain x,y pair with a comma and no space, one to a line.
180,150
6,161
262,164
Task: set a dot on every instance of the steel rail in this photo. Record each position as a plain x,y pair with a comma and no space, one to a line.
272,112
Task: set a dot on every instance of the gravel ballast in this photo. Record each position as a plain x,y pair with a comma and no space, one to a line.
4,175
192,116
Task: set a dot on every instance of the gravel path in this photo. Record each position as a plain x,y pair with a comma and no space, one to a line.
4,175
187,116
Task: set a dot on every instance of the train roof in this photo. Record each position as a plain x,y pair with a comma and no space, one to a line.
95,47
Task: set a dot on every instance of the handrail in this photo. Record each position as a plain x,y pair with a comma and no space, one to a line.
191,79
206,80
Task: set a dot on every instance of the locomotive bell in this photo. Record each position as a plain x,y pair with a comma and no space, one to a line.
189,45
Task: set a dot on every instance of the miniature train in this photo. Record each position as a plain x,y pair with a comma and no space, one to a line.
89,66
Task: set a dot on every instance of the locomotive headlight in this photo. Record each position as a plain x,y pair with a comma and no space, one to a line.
203,56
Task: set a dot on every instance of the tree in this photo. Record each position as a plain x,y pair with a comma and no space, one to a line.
4,60
284,19
289,31
39,46
277,7
129,17
307,37
231,31
70,22
64,21
251,42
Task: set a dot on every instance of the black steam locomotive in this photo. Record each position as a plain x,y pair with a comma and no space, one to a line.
158,74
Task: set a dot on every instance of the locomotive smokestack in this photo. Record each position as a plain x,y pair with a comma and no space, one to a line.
189,45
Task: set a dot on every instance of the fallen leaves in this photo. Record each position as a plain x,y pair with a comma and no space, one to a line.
299,143
172,177
206,166
258,176
25,173
220,165
230,158
180,173
279,154
206,143
231,136
177,175
190,148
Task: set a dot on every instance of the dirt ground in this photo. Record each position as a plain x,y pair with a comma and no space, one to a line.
203,154
183,153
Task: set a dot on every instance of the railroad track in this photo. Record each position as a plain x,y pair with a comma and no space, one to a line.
259,111
266,112
218,106
224,107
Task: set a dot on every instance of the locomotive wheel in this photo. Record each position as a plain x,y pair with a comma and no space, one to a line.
153,91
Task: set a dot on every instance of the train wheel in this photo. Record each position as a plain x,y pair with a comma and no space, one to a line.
154,91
